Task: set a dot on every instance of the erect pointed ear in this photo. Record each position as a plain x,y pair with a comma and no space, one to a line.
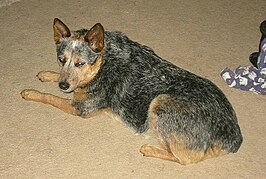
60,30
95,38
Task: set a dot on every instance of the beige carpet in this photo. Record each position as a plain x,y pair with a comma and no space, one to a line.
38,141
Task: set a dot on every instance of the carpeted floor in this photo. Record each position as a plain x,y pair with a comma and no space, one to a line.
38,141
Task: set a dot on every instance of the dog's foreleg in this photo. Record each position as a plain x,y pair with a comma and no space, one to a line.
46,98
48,76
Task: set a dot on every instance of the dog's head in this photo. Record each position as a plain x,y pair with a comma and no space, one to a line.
79,53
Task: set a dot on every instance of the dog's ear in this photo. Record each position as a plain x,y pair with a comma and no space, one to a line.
95,38
60,30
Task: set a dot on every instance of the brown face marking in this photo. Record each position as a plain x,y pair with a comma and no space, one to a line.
76,58
88,72
74,36
67,55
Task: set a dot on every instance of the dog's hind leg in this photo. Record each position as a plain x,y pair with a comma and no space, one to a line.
164,113
48,76
46,98
151,151
180,154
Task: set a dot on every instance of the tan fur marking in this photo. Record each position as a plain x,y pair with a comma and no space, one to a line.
152,114
56,38
48,76
215,151
88,72
150,151
46,98
184,155
74,36
179,153
80,94
67,55
160,101
76,58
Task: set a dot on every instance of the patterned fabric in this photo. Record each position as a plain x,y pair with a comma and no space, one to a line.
249,78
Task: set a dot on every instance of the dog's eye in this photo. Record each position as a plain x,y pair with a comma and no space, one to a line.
79,64
62,60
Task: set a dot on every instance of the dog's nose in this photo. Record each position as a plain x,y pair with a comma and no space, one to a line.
63,85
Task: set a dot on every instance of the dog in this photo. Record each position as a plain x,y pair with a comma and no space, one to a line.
190,115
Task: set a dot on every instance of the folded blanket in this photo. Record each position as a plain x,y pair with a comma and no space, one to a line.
249,78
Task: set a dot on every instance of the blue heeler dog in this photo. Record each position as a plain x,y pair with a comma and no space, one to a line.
190,116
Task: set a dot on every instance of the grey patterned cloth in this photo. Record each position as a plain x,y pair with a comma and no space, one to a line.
249,78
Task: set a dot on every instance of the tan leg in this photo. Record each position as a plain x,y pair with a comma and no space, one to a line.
48,76
150,151
60,103
180,154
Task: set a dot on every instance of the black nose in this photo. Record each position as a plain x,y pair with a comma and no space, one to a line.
63,85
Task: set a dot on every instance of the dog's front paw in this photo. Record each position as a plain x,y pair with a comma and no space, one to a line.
48,76
30,94
145,149
43,76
